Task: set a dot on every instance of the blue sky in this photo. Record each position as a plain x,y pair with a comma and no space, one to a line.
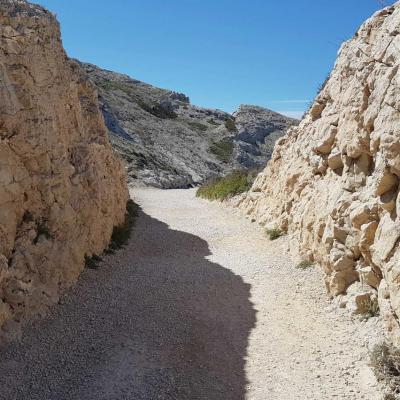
221,53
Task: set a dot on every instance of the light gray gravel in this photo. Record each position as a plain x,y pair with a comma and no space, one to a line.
199,305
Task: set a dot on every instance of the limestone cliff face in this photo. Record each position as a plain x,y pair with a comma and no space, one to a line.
333,182
62,189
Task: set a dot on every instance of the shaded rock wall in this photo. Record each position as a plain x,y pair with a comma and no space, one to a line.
62,189
333,182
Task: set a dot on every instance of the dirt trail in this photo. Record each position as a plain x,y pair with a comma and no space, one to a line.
199,305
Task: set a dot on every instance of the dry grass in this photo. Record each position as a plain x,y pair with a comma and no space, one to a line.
119,237
305,264
274,233
385,362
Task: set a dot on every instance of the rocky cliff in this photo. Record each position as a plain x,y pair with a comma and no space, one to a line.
168,142
62,189
333,182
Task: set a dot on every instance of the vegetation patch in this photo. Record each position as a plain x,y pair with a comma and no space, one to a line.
119,237
93,261
228,186
371,307
157,110
274,233
230,125
385,362
223,149
305,265
198,126
122,233
116,85
212,122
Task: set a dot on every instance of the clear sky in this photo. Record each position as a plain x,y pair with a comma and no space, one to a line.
221,53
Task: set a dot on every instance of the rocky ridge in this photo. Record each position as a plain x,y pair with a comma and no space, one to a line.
333,182
170,143
62,188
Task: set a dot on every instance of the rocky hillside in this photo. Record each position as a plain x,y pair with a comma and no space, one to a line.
168,142
62,188
333,182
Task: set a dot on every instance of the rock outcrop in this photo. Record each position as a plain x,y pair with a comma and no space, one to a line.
333,182
62,188
258,130
168,142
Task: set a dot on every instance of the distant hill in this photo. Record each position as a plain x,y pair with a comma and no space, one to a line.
170,143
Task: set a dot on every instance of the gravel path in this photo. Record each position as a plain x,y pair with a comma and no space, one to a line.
199,305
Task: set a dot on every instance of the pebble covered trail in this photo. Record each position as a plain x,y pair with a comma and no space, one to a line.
199,305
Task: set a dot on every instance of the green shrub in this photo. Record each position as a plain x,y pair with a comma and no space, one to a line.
230,125
117,85
222,188
274,233
144,106
305,265
198,126
157,110
223,149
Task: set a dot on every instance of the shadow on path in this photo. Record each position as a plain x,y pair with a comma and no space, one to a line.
157,321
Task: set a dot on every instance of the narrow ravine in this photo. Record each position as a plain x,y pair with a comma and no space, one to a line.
199,305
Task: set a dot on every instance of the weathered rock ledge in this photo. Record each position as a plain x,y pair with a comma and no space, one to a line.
62,188
333,182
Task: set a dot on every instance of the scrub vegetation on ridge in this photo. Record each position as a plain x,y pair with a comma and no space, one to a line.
232,184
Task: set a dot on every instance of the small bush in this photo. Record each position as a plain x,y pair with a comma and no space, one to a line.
157,110
93,261
228,186
230,125
212,122
117,85
371,306
222,149
274,233
305,265
198,126
122,233
385,362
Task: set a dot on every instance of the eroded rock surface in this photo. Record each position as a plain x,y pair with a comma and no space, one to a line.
169,143
333,182
62,188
